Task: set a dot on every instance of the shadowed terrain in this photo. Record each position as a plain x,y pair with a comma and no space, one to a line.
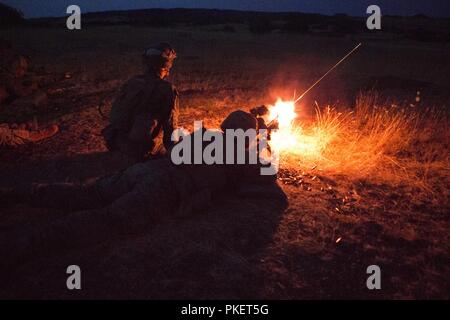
338,220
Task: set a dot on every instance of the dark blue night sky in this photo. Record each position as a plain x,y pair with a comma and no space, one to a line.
437,8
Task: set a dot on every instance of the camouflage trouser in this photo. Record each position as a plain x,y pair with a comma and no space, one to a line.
137,150
143,187
125,203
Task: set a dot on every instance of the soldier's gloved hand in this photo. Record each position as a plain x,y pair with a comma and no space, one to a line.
273,125
259,111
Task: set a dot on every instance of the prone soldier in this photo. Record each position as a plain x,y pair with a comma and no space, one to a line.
133,199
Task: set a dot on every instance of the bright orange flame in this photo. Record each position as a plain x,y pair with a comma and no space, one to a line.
283,112
289,137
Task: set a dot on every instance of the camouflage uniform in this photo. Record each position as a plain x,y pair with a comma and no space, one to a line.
133,199
146,107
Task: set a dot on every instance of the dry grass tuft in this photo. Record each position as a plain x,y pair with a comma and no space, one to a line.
381,140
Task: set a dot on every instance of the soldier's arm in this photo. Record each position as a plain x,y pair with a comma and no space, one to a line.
142,122
170,123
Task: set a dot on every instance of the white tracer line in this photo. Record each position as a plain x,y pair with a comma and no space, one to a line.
332,68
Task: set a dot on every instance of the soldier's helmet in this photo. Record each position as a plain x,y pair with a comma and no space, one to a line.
159,56
239,120
259,111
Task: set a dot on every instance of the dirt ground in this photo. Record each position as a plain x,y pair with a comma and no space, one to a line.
318,247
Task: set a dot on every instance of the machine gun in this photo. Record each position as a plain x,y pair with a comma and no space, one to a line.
259,113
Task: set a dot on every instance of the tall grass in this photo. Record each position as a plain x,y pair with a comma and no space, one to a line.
377,139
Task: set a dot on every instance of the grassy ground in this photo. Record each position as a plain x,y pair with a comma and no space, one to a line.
375,193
